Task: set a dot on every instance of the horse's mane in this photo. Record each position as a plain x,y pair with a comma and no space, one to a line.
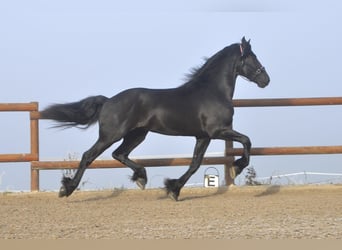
209,64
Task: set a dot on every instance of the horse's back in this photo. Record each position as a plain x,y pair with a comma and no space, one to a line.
165,111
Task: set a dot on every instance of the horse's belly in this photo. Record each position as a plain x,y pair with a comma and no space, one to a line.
176,125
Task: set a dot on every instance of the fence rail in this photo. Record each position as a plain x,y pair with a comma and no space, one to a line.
281,102
32,106
227,159
302,150
213,160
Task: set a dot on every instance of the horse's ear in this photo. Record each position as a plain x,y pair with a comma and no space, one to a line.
245,47
244,41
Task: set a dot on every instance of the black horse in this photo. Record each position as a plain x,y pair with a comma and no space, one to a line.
202,107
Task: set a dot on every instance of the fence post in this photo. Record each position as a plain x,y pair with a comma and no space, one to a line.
34,137
229,163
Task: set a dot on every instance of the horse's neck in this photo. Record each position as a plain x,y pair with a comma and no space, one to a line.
219,77
225,80
231,88
227,87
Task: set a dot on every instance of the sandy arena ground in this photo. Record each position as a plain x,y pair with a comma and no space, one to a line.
264,212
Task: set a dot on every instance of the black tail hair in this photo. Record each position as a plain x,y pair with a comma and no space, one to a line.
85,112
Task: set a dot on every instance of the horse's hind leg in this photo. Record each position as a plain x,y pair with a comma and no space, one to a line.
68,184
130,142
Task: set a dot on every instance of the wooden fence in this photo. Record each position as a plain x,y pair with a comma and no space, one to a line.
33,155
227,159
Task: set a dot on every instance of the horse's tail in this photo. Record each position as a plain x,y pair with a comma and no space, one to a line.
85,112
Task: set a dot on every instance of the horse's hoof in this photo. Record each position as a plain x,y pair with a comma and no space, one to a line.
172,188
173,196
141,183
234,171
62,192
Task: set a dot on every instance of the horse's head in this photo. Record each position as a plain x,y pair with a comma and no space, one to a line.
250,67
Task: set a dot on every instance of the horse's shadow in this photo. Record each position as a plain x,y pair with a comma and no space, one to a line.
219,191
269,191
115,193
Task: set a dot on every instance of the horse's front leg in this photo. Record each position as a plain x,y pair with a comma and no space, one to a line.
242,162
173,186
